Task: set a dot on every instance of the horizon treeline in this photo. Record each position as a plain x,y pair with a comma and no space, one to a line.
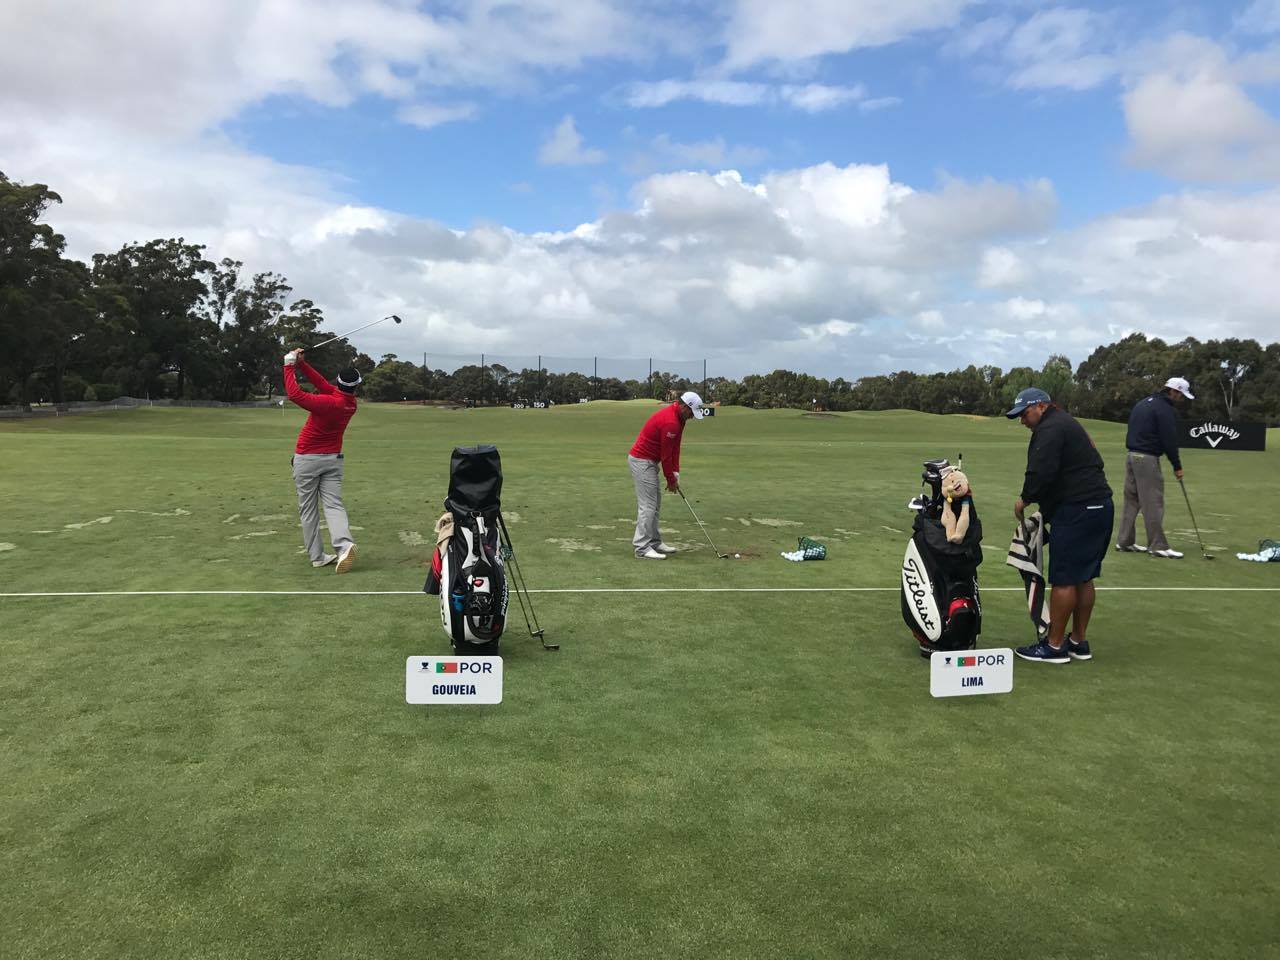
162,320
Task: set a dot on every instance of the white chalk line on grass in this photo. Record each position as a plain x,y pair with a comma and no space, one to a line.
416,593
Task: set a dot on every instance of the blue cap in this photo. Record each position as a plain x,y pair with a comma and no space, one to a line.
1025,399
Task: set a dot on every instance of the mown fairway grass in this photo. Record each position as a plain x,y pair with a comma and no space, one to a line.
691,775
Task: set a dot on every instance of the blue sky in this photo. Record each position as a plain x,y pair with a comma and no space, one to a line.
848,187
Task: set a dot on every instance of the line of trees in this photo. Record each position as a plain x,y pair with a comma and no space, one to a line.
160,319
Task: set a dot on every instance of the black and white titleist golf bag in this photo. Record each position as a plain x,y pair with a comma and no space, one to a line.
941,602
470,564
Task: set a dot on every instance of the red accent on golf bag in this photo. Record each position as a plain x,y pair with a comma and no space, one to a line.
432,585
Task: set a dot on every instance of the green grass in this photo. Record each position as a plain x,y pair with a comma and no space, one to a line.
691,775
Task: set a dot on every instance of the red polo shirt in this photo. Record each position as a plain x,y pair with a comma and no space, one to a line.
330,410
659,440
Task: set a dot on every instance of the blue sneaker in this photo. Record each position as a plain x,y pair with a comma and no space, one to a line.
1044,653
1078,651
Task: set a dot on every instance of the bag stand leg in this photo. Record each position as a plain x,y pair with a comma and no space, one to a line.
522,591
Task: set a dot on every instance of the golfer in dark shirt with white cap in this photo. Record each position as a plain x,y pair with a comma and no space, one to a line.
1065,477
1153,430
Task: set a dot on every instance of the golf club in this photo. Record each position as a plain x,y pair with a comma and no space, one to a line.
356,330
719,555
1203,552
521,588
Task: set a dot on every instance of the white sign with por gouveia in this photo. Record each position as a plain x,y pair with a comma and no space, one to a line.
453,680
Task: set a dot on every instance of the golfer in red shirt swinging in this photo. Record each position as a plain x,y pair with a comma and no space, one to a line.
317,459
658,444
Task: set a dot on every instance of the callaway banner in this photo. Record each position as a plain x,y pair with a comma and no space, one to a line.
1231,435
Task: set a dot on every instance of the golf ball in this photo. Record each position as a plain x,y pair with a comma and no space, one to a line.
737,556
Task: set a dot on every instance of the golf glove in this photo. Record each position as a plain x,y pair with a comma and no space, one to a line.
290,358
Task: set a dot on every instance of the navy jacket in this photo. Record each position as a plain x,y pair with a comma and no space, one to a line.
1063,465
1153,428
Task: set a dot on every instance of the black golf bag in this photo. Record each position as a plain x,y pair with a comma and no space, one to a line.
941,603
469,569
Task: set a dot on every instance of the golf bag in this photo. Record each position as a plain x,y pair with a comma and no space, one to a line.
470,564
941,602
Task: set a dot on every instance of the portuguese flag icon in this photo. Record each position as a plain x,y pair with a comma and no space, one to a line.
446,668
966,661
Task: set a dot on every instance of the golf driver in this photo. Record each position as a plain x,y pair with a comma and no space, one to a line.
356,330
1203,552
719,555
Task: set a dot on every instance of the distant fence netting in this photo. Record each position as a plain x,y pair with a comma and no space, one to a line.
532,377
475,379
15,412
631,368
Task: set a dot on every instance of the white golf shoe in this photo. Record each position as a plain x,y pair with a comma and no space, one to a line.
1169,554
346,558
651,554
328,559
665,548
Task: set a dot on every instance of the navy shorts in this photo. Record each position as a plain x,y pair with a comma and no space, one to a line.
1079,536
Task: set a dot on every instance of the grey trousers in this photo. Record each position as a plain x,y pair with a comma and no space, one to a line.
646,474
318,477
1143,492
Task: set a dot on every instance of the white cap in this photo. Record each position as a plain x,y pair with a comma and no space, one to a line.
694,403
1181,385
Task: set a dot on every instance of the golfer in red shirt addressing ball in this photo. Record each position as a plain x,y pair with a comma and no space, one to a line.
317,458
658,445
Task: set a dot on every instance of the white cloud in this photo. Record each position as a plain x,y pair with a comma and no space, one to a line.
1057,48
878,103
1023,310
158,66
984,36
930,321
427,115
1190,117
1001,267
836,269
984,209
564,147
1261,16
810,98
732,93
664,153
817,97
764,30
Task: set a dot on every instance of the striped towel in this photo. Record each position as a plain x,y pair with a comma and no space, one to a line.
1026,555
